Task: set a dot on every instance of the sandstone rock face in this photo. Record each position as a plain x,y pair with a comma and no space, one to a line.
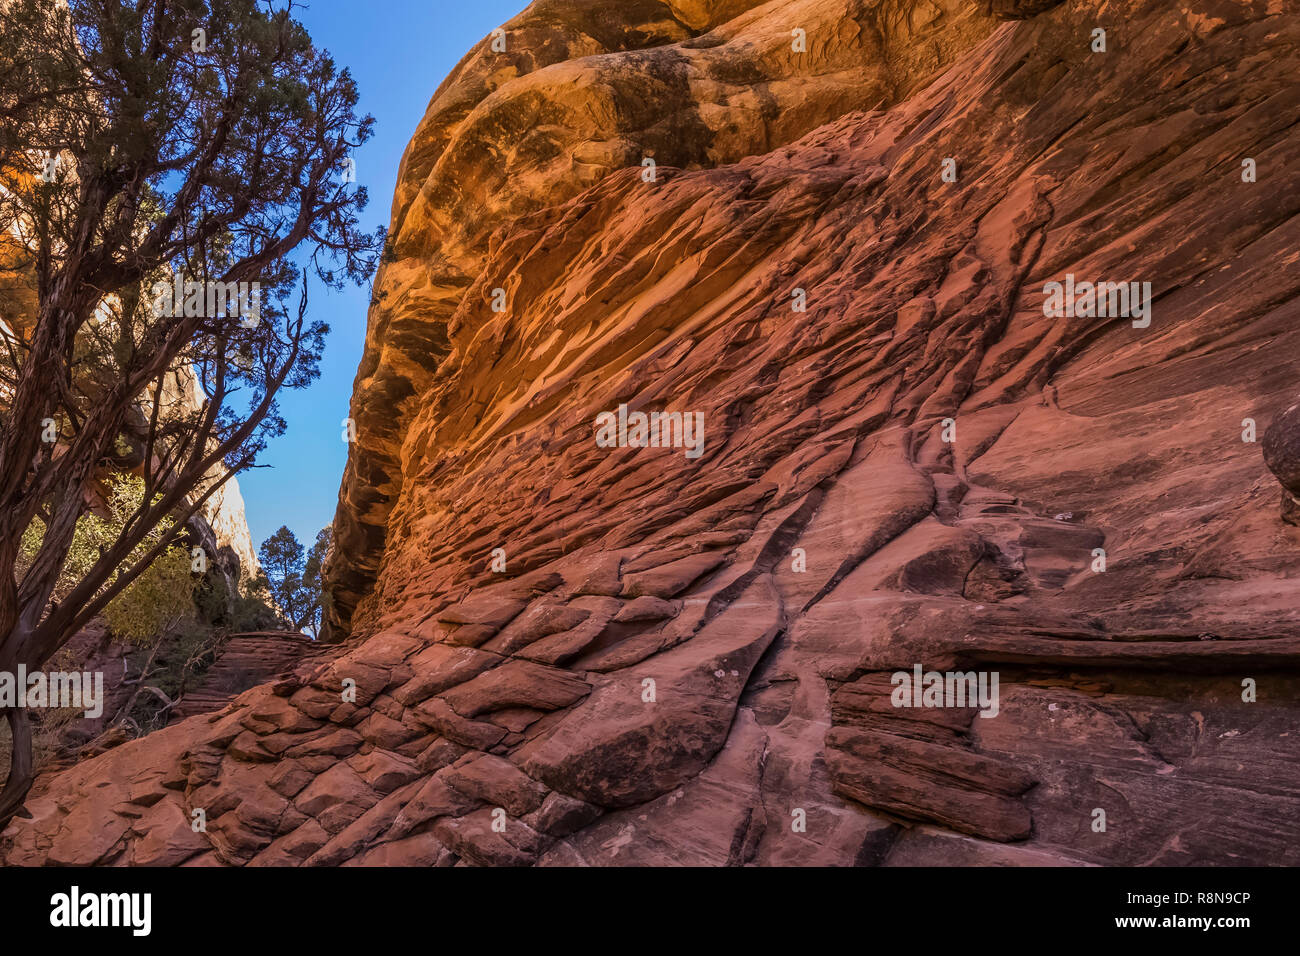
243,661
1281,448
221,524
586,88
559,653
224,515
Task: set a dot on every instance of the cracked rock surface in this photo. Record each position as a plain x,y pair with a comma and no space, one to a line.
689,660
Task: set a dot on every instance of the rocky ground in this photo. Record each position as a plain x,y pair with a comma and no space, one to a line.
242,661
688,660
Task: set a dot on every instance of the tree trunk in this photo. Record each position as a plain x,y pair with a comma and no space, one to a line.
21,777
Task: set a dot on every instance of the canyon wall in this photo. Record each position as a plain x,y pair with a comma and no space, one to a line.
556,652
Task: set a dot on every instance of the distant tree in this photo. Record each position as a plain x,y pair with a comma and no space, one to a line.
283,563
313,582
144,142
294,577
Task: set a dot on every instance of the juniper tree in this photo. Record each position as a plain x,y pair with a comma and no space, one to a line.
313,579
282,559
142,144
294,576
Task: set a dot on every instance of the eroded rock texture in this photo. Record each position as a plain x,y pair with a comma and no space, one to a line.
689,660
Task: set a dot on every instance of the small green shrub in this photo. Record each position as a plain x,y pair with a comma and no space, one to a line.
159,598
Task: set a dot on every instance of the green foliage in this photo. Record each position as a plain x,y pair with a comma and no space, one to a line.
158,599
131,155
313,579
294,576
133,159
155,601
246,607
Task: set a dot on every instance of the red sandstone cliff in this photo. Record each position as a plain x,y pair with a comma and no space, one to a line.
686,658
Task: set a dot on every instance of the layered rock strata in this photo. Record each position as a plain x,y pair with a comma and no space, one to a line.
555,652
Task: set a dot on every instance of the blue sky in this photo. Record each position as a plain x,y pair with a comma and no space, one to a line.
398,51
